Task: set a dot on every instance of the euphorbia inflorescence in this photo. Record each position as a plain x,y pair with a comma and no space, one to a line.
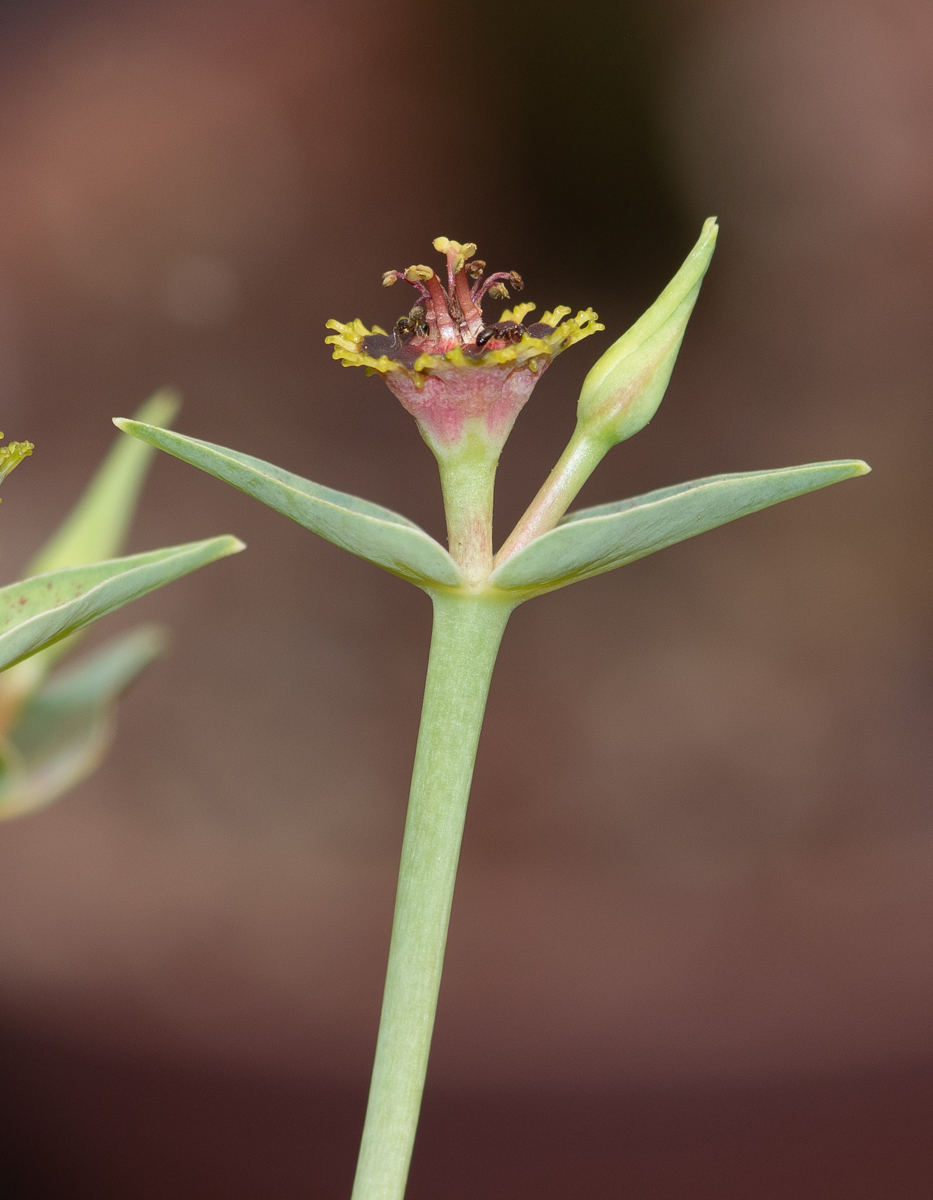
449,365
464,379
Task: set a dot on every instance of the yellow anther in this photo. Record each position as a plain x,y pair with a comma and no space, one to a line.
441,244
464,253
419,274
389,278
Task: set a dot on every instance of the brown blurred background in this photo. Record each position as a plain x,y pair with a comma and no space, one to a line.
691,952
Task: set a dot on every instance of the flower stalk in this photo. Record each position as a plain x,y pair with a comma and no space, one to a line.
581,456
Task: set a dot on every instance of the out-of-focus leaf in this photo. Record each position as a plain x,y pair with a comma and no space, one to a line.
96,527
597,540
368,530
40,611
63,731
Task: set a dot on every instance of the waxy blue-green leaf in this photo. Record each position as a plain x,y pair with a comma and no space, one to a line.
368,530
62,732
38,612
599,539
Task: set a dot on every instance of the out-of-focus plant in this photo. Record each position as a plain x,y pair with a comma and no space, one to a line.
465,380
55,728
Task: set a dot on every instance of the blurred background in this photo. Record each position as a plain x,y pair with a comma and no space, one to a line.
692,949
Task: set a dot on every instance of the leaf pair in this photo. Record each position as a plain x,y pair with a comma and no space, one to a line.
53,732
584,544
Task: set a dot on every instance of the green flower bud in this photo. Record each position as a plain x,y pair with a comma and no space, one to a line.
623,390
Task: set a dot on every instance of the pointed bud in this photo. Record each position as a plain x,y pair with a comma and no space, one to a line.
623,390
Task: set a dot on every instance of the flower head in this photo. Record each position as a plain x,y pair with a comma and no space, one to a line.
12,455
451,368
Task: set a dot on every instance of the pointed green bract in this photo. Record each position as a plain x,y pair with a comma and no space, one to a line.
600,539
63,732
96,528
623,390
365,529
40,611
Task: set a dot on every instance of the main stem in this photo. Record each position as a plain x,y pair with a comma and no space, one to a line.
464,644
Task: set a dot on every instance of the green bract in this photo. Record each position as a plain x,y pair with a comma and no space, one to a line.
368,530
600,539
585,543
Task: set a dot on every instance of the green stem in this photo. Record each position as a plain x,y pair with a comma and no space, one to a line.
583,454
464,644
468,479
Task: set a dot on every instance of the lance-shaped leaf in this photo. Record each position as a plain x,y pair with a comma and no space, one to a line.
40,611
96,527
63,731
624,388
599,539
368,530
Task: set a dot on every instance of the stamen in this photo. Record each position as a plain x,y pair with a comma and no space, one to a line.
460,299
414,276
437,313
466,252
500,276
